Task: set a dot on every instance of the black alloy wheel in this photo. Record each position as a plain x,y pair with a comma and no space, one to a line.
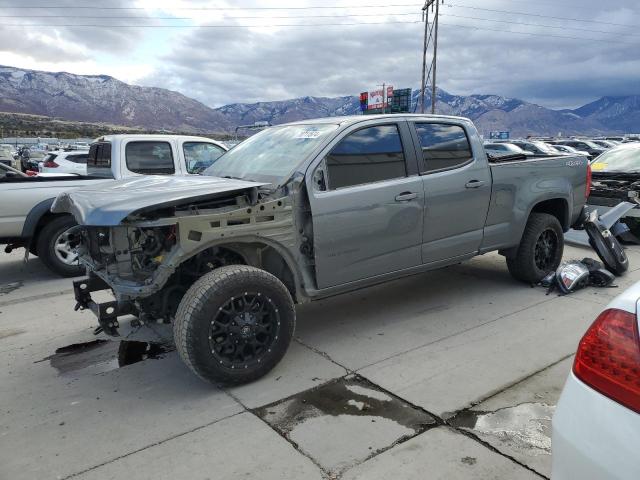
244,329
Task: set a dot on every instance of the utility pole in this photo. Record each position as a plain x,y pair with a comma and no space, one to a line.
384,96
435,60
429,74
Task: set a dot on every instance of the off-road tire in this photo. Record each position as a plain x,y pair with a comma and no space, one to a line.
522,265
45,247
198,307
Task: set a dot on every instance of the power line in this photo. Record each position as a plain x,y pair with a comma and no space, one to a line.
92,7
262,17
342,24
96,25
541,25
540,15
600,40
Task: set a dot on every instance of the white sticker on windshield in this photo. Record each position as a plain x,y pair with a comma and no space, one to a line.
308,134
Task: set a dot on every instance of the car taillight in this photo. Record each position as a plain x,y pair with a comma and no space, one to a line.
50,164
31,173
588,189
608,357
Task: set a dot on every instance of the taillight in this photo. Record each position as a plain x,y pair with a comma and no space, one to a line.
31,173
608,357
50,164
588,189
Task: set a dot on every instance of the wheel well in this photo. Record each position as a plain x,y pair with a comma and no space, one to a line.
557,207
42,221
256,255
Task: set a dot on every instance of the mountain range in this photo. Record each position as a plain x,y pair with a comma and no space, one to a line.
101,98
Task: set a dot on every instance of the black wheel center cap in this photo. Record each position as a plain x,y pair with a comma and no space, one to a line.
245,322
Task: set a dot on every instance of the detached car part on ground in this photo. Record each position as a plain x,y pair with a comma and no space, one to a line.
308,210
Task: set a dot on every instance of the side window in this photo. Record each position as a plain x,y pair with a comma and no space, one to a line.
149,157
443,146
79,158
200,155
369,155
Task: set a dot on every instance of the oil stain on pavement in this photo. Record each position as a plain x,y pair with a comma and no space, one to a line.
98,356
7,288
345,422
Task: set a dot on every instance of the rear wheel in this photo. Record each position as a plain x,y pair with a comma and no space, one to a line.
540,249
56,247
234,324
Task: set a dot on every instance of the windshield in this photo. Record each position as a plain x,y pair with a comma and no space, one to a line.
545,147
271,155
618,160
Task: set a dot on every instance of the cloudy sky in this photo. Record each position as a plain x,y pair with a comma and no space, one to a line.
559,54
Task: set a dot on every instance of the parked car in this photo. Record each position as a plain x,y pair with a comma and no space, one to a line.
30,158
504,149
571,150
59,161
6,154
604,144
25,219
535,147
584,145
306,210
596,426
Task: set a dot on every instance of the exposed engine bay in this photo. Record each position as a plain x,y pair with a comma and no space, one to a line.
151,260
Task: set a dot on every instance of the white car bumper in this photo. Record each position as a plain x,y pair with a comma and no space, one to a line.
593,436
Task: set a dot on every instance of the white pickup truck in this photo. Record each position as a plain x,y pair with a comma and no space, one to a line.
25,218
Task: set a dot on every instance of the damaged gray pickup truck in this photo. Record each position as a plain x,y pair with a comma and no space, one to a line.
307,210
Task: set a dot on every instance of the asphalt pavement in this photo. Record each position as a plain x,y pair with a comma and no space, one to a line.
453,373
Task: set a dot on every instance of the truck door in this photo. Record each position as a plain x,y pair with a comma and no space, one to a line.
368,207
197,155
457,188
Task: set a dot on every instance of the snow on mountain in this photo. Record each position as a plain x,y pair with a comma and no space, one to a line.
101,98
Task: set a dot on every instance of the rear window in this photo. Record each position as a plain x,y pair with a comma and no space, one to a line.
149,158
99,160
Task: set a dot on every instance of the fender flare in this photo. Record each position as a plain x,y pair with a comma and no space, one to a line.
34,217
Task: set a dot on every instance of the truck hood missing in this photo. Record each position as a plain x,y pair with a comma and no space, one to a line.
110,204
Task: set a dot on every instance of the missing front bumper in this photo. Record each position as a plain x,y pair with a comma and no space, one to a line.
107,312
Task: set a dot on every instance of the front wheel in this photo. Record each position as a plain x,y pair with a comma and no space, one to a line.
234,324
540,250
56,247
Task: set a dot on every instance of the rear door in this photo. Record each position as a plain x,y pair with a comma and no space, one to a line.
457,186
367,202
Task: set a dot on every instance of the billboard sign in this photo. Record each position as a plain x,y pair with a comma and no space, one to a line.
499,135
379,98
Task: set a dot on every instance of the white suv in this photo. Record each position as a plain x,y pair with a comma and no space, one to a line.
74,161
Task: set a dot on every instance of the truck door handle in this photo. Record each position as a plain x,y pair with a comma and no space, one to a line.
474,184
406,196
